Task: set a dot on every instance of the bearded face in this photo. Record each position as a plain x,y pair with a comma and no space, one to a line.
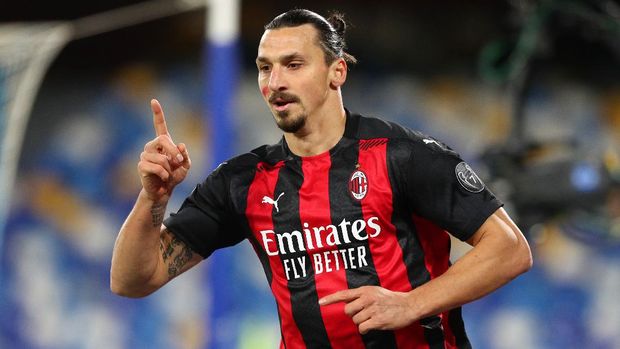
292,75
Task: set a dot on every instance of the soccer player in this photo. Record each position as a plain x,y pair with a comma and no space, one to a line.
349,215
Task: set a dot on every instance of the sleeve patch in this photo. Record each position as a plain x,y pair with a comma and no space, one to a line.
468,179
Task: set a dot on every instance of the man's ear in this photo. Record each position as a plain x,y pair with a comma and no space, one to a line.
338,73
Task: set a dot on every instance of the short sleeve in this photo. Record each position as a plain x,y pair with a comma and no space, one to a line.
206,219
445,189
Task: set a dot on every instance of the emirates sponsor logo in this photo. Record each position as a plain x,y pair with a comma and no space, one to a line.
345,232
316,241
358,185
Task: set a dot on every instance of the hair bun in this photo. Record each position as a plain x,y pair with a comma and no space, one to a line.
337,21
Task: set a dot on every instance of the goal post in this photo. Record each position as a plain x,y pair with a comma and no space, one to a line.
221,71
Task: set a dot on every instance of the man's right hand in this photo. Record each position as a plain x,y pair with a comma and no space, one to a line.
162,164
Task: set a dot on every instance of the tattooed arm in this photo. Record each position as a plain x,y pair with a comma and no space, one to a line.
146,255
176,255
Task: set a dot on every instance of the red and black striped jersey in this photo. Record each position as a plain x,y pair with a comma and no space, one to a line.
373,210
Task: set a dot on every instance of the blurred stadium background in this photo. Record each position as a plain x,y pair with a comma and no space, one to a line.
527,91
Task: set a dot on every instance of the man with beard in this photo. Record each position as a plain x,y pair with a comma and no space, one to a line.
348,215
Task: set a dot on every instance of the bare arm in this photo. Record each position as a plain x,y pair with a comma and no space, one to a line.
500,254
146,255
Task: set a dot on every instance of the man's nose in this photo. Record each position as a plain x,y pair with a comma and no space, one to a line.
276,80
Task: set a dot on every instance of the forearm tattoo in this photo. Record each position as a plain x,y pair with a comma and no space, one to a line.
157,214
174,252
176,265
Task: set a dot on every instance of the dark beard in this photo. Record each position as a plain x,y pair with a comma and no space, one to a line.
283,118
290,126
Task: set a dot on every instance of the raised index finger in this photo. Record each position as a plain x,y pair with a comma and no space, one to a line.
158,118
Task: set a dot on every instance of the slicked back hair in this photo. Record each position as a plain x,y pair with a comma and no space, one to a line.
330,31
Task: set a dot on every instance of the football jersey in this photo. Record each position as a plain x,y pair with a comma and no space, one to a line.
375,209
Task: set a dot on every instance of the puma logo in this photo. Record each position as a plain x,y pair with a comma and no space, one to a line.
268,200
428,141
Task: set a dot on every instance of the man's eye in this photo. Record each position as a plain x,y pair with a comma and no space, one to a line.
294,65
264,68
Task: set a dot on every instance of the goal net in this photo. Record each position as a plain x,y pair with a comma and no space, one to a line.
26,51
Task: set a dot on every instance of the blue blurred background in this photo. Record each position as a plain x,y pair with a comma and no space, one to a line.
527,91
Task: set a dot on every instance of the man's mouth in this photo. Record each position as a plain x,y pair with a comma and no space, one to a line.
282,102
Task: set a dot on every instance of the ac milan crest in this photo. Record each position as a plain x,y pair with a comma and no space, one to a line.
358,185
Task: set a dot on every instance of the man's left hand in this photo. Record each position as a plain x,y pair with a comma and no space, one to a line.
374,307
